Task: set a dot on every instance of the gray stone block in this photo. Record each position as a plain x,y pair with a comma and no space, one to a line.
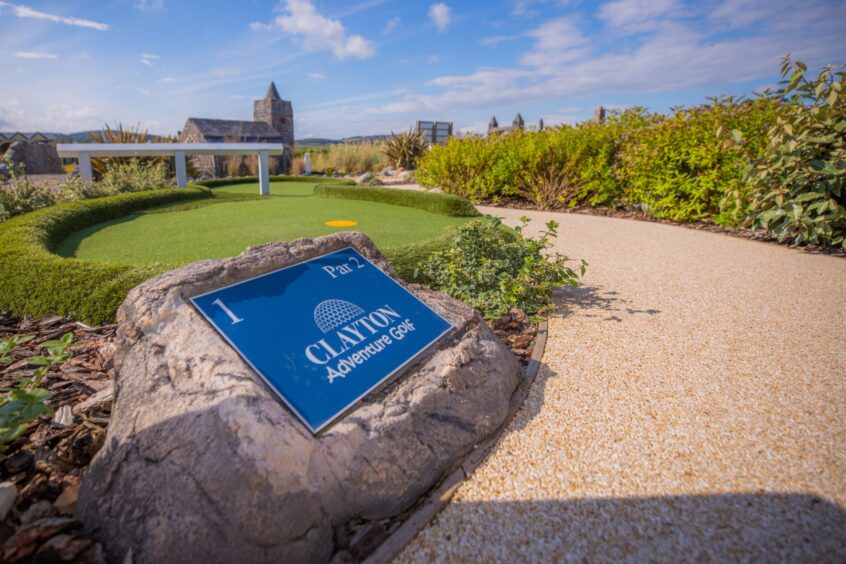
203,464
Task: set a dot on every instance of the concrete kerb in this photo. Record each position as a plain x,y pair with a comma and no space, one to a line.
440,495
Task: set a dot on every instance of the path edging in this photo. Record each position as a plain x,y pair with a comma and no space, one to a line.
438,497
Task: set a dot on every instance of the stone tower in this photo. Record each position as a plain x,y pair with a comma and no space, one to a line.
279,114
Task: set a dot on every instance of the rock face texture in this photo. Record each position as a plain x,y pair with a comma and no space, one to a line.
38,158
203,464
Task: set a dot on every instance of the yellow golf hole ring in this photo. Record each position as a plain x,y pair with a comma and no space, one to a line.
341,223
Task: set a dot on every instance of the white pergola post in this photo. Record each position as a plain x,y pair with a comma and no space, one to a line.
181,171
307,164
264,177
85,167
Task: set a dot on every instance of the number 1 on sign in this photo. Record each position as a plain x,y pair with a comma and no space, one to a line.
235,319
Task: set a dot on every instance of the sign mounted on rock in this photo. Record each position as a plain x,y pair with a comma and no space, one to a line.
323,333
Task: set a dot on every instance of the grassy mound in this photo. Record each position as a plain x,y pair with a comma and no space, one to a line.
112,244
37,282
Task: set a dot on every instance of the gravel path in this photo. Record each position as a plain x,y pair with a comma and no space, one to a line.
691,406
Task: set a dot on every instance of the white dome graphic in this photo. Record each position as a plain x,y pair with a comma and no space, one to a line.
330,314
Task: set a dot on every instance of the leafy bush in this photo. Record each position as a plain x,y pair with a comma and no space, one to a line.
799,183
678,168
134,175
119,134
404,149
494,272
20,195
442,204
553,167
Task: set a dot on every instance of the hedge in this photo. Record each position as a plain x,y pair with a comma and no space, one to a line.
218,182
443,204
36,282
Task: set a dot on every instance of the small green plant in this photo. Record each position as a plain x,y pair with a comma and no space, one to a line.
26,401
404,149
492,269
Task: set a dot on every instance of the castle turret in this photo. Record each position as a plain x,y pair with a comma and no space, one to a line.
518,122
279,113
540,124
493,123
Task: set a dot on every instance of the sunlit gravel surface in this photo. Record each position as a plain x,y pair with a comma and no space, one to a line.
691,406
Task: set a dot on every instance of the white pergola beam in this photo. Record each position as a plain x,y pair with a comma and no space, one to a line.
84,152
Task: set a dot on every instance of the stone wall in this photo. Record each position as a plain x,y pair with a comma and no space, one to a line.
38,158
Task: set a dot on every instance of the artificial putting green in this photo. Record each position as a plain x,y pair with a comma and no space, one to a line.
215,228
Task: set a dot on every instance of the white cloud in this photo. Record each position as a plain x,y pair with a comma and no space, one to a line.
260,26
55,117
317,76
147,59
556,41
35,55
637,15
22,11
562,64
497,39
432,59
391,24
441,15
319,32
165,79
150,5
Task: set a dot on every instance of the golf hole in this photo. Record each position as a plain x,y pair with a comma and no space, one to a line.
341,223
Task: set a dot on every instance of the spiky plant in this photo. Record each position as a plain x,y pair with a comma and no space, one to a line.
404,149
120,134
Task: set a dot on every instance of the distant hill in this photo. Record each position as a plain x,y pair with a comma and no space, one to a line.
322,141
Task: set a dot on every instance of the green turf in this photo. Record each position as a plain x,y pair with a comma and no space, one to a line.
213,229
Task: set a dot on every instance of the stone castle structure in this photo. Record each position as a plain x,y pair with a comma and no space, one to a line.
273,122
516,124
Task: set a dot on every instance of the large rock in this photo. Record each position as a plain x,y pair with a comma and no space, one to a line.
203,464
38,158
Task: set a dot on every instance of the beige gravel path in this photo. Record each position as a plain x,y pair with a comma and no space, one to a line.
691,406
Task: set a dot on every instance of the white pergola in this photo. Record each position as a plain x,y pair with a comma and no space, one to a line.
84,152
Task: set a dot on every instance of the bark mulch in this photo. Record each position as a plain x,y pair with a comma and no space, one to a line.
43,468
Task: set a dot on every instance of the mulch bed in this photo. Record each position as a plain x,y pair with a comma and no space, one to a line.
635,213
43,469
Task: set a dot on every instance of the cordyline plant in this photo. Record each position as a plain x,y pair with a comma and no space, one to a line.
799,184
26,401
404,149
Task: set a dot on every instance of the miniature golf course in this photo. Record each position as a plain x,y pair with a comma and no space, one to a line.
181,233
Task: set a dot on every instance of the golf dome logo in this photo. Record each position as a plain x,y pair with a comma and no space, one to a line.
331,314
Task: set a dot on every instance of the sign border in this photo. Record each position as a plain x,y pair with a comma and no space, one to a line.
266,380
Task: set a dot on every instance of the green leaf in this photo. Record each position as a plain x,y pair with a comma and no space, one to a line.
38,360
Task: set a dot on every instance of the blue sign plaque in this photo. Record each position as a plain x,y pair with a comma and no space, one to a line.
323,333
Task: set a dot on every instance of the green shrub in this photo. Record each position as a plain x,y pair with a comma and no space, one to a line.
494,272
20,195
472,167
135,175
218,182
37,282
404,149
678,167
443,204
798,185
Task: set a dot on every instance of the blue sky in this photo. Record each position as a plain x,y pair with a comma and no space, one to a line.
362,67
